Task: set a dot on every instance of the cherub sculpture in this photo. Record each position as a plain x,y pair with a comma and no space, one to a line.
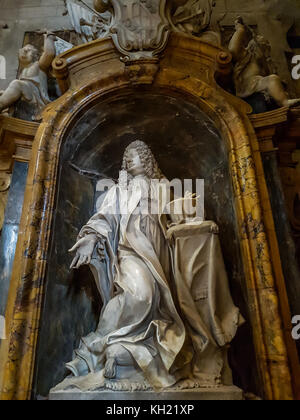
194,16
251,72
32,85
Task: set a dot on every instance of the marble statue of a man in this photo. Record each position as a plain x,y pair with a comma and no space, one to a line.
167,315
32,85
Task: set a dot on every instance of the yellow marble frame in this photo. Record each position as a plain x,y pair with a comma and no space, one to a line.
89,74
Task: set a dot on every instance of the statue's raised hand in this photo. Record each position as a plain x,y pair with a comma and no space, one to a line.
84,251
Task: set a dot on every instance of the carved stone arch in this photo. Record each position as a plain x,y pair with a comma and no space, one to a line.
92,73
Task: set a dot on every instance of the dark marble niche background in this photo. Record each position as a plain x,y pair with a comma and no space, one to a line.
187,146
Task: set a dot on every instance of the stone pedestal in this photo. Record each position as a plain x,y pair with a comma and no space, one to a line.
224,393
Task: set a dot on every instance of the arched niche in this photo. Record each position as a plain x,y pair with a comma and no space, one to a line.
187,145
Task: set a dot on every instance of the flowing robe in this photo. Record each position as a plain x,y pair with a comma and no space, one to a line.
165,293
139,312
35,87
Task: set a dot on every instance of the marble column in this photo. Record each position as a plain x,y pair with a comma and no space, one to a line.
9,234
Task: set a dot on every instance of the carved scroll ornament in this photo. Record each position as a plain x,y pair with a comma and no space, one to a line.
140,28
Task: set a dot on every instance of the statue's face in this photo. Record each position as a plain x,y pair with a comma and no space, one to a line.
27,54
134,164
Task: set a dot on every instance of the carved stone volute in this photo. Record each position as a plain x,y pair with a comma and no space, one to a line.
140,28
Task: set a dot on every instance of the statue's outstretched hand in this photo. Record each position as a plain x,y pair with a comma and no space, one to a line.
84,251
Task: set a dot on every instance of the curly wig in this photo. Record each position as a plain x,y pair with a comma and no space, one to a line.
148,160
